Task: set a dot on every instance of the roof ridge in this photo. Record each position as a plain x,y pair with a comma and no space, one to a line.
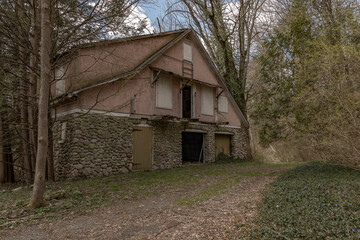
129,38
118,40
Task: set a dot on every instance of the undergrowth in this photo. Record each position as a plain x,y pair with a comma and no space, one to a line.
313,201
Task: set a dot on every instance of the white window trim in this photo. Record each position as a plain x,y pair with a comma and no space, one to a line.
60,84
62,132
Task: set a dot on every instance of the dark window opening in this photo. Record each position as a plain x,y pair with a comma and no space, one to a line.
186,102
192,147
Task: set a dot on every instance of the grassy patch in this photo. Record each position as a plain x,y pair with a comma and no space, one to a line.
250,174
285,165
79,196
313,201
205,194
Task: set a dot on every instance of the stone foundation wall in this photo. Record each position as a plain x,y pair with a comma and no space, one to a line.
167,144
94,145
100,145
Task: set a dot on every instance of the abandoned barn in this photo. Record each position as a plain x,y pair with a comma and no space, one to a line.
139,103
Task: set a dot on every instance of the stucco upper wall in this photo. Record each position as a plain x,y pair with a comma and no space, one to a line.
171,61
97,63
116,96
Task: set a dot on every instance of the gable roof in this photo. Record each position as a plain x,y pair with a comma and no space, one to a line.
126,63
169,39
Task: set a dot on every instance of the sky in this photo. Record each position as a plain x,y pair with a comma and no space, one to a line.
156,9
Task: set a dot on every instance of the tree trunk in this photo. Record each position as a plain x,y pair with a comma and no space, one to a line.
9,176
37,197
50,157
2,155
34,40
246,143
24,134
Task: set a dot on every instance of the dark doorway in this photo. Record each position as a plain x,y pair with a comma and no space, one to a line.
192,147
186,102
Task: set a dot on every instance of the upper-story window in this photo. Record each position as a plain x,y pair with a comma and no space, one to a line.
164,92
223,105
60,81
207,100
187,52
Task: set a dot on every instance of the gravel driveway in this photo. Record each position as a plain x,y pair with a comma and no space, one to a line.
159,217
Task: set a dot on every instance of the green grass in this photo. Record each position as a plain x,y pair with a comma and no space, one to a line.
86,194
314,201
205,194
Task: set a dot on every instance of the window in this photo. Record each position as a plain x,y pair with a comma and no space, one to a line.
60,81
207,100
63,132
187,52
164,92
223,104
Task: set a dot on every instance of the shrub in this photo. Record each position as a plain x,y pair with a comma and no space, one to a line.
314,201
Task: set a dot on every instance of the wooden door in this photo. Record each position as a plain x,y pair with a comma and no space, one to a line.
223,144
142,148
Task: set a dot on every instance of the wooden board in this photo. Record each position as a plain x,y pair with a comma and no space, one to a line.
223,144
142,148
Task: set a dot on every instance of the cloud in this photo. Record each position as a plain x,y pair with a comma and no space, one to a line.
137,23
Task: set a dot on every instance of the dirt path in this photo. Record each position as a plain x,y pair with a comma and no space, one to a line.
157,217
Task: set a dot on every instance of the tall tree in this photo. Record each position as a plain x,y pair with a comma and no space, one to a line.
72,23
64,25
308,80
2,155
23,92
45,77
34,37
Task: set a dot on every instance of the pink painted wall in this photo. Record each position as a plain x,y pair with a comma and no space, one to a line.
105,61
171,61
116,96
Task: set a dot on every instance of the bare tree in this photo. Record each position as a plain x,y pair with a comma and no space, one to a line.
2,155
34,37
45,77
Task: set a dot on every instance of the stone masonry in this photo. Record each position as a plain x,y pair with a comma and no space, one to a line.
101,145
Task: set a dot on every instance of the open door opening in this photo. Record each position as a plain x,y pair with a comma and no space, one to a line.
192,147
186,102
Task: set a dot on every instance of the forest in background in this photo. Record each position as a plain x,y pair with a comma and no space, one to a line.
306,80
